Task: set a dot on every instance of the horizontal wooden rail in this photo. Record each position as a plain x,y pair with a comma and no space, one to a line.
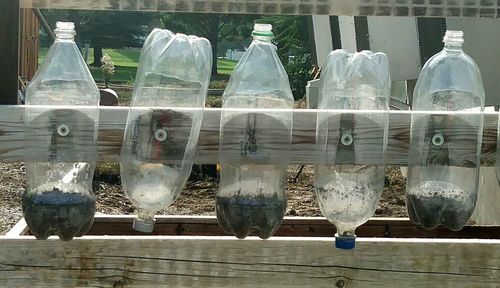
192,253
424,8
224,261
182,225
112,124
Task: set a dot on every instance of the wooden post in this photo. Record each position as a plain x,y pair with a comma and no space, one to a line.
9,21
28,46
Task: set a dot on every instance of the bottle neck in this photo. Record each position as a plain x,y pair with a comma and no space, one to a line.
262,38
453,47
65,37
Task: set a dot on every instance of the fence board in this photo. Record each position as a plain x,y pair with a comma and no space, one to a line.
112,124
182,261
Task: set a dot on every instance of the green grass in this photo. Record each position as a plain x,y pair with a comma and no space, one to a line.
126,61
225,66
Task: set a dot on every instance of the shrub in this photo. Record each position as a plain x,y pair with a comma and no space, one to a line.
108,68
298,69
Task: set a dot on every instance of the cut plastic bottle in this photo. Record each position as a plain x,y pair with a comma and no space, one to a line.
255,139
351,145
164,121
443,165
59,198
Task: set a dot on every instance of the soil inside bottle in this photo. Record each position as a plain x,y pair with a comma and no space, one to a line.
66,214
242,215
432,211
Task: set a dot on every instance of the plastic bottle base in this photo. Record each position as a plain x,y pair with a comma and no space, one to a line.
346,242
145,226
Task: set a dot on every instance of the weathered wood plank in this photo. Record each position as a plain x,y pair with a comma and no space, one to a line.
427,8
181,261
291,227
112,124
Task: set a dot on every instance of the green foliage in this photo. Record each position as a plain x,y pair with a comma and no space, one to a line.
298,70
293,39
214,27
108,29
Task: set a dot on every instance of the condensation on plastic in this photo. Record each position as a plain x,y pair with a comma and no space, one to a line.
59,198
164,121
348,191
255,139
443,165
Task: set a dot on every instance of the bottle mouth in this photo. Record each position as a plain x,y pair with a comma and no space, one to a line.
345,242
453,37
263,30
65,29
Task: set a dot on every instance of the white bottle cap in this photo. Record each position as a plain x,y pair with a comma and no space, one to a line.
452,36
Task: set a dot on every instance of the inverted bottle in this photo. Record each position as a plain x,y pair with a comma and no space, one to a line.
255,139
59,198
350,170
164,121
443,165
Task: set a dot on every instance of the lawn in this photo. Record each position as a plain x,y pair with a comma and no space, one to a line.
126,61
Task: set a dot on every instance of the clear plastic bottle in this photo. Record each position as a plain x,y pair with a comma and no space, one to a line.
164,121
443,165
256,111
349,174
59,198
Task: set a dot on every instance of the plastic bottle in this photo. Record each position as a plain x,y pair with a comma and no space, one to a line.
350,170
59,198
164,121
256,111
443,165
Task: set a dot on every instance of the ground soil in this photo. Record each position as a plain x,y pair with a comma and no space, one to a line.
197,198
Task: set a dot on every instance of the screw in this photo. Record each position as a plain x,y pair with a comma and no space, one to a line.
63,130
346,139
437,139
161,135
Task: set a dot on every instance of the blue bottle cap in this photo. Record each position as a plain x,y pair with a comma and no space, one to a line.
345,242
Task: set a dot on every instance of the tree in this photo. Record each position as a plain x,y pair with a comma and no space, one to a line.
105,29
295,41
214,27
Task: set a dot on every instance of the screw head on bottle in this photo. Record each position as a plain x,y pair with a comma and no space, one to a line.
437,139
161,135
63,130
346,139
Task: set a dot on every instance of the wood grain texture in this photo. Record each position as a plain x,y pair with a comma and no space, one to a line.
116,225
181,261
427,8
28,44
112,124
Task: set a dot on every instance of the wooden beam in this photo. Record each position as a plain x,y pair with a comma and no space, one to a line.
112,124
115,225
219,261
438,8
9,51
